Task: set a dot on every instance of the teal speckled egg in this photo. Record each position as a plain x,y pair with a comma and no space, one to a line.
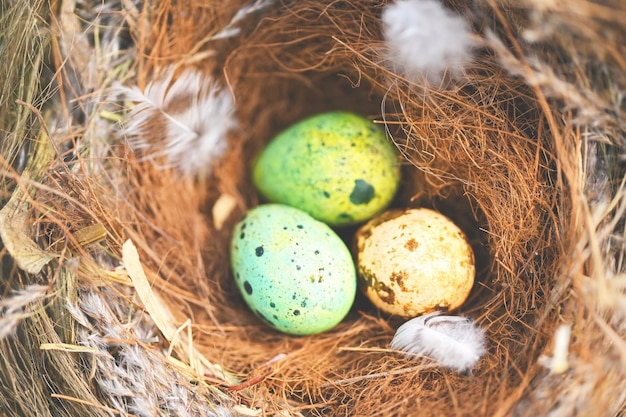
338,167
293,271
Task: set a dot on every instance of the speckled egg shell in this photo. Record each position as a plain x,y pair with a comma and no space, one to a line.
338,167
293,271
414,262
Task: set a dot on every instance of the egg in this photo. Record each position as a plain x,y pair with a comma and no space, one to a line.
414,262
294,272
339,167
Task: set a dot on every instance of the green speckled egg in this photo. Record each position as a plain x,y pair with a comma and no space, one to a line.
293,271
338,167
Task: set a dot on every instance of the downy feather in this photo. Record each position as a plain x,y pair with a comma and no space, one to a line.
184,121
425,39
455,342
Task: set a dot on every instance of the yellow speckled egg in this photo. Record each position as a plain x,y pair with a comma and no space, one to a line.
413,262
338,167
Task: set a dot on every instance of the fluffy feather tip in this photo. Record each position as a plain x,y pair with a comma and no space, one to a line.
457,343
184,121
426,39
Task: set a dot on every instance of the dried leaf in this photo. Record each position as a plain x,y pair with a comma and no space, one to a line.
15,232
90,234
76,44
163,319
153,304
66,347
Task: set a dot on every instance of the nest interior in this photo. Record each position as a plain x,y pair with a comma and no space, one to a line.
522,151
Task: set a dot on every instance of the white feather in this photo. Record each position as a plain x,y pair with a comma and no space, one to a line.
198,114
425,39
231,30
457,343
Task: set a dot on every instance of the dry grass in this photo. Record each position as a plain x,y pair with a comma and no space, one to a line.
525,152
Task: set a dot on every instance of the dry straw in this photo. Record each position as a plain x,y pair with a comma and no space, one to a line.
116,297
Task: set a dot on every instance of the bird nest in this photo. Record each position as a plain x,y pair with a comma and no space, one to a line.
116,292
